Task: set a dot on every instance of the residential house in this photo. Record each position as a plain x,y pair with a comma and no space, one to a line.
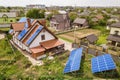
90,39
35,38
114,37
8,17
80,23
60,22
99,16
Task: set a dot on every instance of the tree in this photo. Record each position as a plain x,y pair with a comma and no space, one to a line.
35,13
72,16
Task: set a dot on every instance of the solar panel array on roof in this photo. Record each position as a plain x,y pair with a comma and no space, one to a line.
22,33
34,35
102,63
73,63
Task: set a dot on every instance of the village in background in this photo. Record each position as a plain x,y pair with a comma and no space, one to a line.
59,42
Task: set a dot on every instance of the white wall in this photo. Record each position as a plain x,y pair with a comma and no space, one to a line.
36,42
112,31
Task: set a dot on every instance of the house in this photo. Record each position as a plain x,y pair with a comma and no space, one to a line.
90,39
99,16
62,12
8,17
80,23
114,37
60,22
35,38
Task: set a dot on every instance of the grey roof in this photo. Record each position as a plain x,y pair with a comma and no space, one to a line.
79,21
61,17
92,38
114,38
9,14
115,25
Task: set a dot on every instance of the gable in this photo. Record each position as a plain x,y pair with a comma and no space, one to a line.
38,39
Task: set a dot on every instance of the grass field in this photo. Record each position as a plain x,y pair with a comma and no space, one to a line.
13,65
4,29
100,31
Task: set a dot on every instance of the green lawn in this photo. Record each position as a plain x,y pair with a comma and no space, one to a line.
103,35
4,29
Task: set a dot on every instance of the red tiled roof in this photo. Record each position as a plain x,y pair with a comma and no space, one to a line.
99,16
51,43
18,26
37,49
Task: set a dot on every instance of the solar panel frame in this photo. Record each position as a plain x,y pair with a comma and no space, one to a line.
73,63
102,63
34,35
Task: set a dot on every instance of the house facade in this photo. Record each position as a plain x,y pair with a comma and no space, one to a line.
60,22
34,37
114,37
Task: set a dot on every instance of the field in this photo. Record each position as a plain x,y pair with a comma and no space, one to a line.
100,31
78,34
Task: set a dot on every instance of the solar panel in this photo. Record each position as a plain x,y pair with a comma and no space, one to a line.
34,35
22,33
102,63
73,63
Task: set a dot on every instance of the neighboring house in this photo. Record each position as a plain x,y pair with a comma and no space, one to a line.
114,37
35,38
60,22
8,17
111,21
90,39
80,22
99,16
62,12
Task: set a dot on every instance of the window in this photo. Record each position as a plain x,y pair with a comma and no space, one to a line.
116,32
42,37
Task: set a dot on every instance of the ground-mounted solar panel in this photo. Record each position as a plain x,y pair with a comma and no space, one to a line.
73,63
22,33
34,35
102,63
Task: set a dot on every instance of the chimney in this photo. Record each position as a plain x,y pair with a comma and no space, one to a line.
28,22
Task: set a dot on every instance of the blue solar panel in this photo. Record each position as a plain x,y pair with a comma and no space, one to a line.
102,63
73,63
34,35
22,33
